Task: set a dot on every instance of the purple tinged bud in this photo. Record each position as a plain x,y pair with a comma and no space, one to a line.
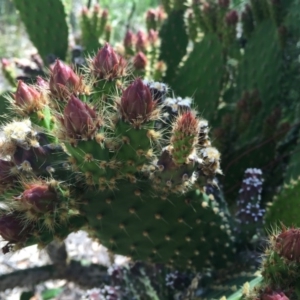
27,97
140,61
129,40
12,229
269,294
151,15
63,80
232,18
136,102
108,64
96,8
287,244
104,14
42,82
39,197
153,36
141,41
79,120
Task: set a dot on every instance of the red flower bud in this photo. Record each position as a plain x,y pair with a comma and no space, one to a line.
287,244
141,41
27,97
108,64
232,18
39,198
140,61
137,103
79,120
64,81
12,229
188,123
129,40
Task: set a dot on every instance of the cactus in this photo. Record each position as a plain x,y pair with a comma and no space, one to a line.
94,25
121,156
120,159
46,25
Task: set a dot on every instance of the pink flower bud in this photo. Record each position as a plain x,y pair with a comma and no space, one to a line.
39,198
5,63
64,81
96,8
104,14
41,82
108,64
84,11
137,103
27,97
153,36
129,40
232,18
140,61
141,41
268,294
161,14
79,120
151,15
12,229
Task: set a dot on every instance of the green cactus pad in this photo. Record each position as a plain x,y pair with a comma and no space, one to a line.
285,207
260,69
174,41
201,75
46,25
4,107
183,231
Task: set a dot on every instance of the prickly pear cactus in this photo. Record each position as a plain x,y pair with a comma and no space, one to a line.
47,27
83,154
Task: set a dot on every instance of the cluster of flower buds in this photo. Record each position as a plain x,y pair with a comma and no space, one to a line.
155,18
